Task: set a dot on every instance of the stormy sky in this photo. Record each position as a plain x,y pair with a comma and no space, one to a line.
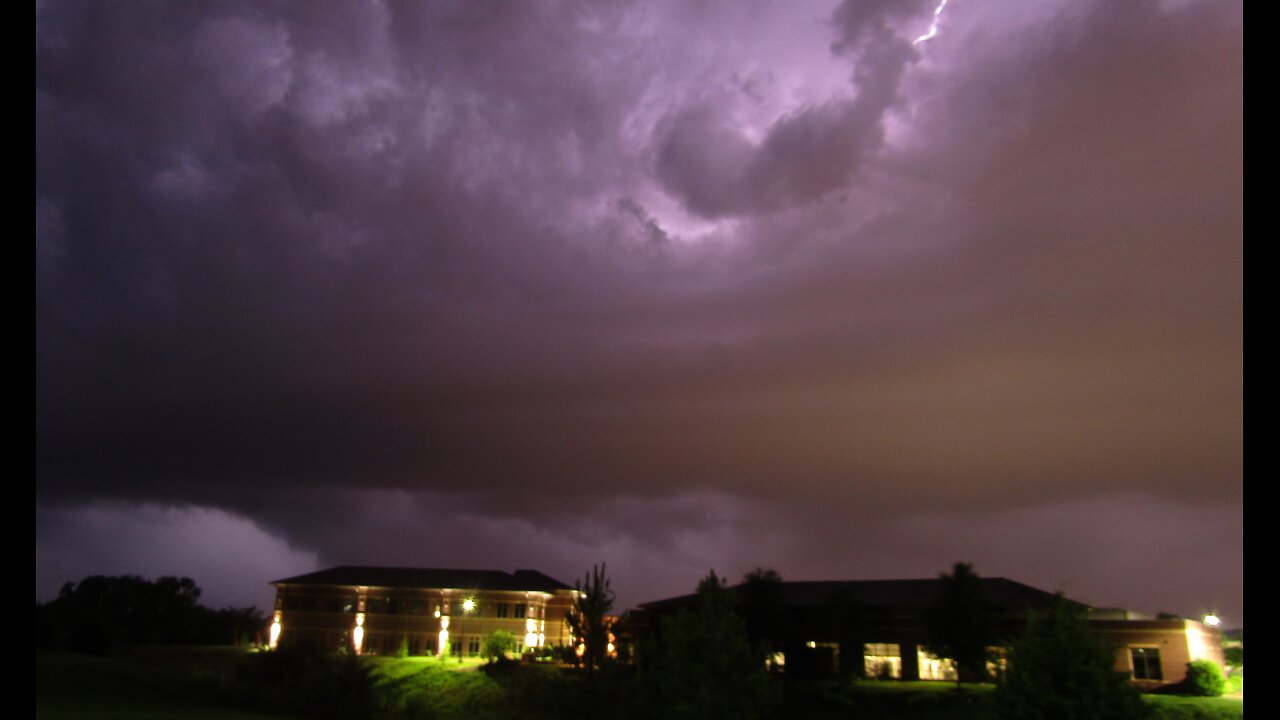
671,285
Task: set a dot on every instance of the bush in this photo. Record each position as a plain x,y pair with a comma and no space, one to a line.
1204,679
498,644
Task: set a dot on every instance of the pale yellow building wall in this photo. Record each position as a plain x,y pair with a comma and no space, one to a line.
416,616
1179,642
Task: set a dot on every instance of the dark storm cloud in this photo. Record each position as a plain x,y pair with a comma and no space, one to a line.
557,269
805,155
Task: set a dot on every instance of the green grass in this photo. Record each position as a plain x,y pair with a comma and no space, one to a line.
187,682
1177,707
71,687
919,686
392,667
925,700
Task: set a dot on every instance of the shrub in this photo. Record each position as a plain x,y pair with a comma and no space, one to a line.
1204,678
498,644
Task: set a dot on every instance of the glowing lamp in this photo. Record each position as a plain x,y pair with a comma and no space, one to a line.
357,633
274,638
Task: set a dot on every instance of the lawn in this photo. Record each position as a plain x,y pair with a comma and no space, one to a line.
72,687
210,684
1176,707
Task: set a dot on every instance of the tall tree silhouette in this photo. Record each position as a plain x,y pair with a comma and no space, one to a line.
959,623
588,619
1059,669
701,665
762,610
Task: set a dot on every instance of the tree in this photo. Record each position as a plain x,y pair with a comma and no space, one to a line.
588,619
762,610
1233,650
100,613
701,665
845,619
959,623
1059,670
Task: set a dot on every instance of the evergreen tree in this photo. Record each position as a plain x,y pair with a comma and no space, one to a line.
762,610
1059,670
588,619
702,665
959,623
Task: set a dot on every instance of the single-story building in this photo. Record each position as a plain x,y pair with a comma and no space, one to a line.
877,628
379,610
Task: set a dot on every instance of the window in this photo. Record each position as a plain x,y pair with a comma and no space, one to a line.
302,603
502,609
933,667
1146,663
473,646
340,604
520,610
376,606
882,660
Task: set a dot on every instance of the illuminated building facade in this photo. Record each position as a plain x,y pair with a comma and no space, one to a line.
1155,650
379,610
876,628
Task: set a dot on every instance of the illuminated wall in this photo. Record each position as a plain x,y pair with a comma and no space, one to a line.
380,621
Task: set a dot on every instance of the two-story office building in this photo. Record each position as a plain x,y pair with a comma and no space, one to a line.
379,610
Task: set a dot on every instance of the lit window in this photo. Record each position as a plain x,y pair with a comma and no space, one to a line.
882,660
933,667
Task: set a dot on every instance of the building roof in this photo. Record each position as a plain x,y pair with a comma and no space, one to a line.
402,577
896,594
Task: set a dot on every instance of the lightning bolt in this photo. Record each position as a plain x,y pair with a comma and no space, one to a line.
933,27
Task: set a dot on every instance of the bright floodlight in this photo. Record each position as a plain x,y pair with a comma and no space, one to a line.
1211,620
468,605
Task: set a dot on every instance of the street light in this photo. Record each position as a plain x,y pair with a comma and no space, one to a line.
468,606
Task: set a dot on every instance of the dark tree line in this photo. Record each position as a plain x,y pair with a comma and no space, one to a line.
100,614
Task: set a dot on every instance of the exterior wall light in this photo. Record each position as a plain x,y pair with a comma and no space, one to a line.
274,639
